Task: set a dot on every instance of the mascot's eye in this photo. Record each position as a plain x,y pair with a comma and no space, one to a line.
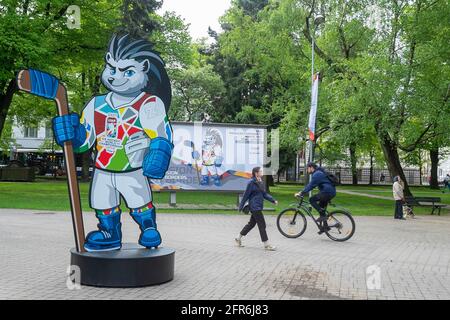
113,72
129,73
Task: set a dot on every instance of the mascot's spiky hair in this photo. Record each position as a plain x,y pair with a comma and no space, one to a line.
216,134
123,47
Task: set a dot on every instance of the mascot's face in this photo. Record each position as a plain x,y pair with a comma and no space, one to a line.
125,77
210,140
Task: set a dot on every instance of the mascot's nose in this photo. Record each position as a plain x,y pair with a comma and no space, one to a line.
110,80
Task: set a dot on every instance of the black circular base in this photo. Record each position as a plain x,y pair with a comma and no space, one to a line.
132,266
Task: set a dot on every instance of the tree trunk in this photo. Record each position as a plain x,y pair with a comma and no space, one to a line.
86,160
371,169
434,157
5,102
420,175
420,167
85,157
390,152
268,181
353,160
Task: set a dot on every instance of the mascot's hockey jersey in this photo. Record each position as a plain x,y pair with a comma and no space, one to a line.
112,128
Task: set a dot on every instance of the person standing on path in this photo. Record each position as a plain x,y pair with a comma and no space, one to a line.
399,198
446,183
255,195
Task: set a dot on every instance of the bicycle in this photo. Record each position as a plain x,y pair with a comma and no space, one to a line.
341,225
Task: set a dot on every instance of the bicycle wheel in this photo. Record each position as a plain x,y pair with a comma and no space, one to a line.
342,226
291,223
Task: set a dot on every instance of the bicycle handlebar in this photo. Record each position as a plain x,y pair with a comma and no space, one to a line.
301,198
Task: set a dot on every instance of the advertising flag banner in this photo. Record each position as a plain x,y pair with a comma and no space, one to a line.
313,112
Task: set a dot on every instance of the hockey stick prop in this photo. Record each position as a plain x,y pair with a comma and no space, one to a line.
190,144
47,86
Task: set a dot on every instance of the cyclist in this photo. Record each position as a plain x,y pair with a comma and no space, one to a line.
327,192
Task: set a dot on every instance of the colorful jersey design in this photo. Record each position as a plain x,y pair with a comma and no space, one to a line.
110,128
210,153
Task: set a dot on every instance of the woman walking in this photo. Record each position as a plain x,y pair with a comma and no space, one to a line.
399,198
255,195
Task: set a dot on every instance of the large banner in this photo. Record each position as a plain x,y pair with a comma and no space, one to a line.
313,112
216,157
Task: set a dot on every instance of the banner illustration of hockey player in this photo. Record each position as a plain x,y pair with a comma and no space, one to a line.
132,137
211,158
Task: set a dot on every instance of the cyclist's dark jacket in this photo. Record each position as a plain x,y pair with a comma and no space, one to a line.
320,179
255,195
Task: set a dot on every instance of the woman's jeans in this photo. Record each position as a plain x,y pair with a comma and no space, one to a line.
398,214
257,218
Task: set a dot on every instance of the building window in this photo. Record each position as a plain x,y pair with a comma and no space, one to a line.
30,132
48,132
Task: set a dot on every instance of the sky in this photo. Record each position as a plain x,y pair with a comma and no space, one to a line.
200,14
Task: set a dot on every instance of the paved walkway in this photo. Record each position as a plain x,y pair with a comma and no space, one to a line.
412,256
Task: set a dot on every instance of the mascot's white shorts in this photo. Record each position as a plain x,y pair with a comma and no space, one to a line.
212,170
107,187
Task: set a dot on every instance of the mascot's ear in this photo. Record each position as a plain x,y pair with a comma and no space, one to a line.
146,66
108,57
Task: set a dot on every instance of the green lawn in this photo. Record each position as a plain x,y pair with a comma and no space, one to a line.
52,195
386,191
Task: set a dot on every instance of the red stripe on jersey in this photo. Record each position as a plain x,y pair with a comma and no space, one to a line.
120,132
137,106
133,130
103,158
99,120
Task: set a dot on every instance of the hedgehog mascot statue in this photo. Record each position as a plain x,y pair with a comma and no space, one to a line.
132,137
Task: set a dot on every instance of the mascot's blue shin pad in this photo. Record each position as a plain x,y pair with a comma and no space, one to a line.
150,237
108,237
205,180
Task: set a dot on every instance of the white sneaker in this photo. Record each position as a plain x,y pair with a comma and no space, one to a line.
238,242
270,248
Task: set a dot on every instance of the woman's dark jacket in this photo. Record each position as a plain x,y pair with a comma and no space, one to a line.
255,194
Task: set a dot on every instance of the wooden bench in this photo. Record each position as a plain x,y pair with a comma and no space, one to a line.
433,202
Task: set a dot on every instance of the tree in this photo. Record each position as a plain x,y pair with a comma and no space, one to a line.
383,65
252,7
33,34
139,18
384,81
195,91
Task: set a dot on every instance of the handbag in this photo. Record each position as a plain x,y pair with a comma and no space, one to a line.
246,208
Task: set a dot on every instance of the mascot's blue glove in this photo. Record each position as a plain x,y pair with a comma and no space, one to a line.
157,161
218,162
195,155
68,128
